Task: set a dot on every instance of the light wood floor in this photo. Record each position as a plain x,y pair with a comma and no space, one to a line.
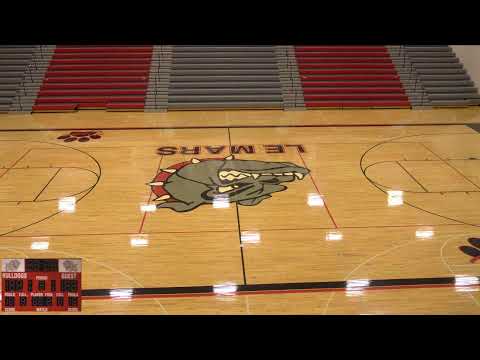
340,223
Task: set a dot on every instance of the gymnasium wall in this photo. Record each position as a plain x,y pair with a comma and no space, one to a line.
469,55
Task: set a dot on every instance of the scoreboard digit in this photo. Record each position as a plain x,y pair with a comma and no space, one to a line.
41,284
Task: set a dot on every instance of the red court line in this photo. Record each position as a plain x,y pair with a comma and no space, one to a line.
318,191
292,291
149,199
16,162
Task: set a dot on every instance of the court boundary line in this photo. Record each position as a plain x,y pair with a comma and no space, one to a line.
242,127
236,231
279,288
342,289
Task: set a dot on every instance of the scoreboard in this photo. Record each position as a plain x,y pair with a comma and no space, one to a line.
41,284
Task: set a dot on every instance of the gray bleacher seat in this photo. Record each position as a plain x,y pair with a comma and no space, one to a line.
21,72
439,76
216,77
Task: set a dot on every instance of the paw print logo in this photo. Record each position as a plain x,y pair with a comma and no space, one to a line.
81,136
472,251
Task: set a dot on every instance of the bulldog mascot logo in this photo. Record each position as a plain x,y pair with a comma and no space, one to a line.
187,185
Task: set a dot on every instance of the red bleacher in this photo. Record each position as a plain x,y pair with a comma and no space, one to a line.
349,77
95,77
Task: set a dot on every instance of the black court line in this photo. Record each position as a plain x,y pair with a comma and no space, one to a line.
452,167
48,183
58,212
236,231
363,170
241,246
236,127
229,138
238,224
475,127
349,285
413,177
15,163
418,192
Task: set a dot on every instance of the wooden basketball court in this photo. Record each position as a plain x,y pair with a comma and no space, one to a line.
251,212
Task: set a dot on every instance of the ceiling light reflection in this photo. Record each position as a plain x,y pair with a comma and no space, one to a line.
314,199
395,198
250,237
40,245
221,202
148,207
139,240
424,234
67,204
356,287
121,294
465,283
333,235
228,289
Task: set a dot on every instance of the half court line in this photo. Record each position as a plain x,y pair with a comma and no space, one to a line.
238,225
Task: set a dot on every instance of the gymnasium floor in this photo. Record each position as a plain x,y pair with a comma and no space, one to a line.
259,212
